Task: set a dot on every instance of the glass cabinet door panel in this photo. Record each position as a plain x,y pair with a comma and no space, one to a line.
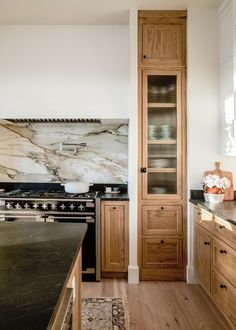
162,183
161,89
161,133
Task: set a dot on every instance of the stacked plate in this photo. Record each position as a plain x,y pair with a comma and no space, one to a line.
162,162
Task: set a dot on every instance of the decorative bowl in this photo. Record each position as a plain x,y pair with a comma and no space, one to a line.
214,198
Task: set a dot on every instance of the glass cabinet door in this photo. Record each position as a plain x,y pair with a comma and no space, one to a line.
161,134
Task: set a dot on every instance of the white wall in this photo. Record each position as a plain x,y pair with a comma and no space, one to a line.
64,71
204,147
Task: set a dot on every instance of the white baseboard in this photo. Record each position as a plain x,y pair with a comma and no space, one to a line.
133,274
191,278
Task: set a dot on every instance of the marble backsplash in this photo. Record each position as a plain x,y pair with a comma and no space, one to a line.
31,152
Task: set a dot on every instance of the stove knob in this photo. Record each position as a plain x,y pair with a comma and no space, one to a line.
44,206
9,205
26,206
81,207
62,206
72,206
35,206
18,206
53,206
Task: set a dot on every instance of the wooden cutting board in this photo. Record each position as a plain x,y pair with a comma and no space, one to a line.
229,193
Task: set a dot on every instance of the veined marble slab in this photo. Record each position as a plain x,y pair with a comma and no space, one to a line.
30,152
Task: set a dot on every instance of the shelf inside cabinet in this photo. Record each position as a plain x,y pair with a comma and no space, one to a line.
162,141
161,156
161,170
161,105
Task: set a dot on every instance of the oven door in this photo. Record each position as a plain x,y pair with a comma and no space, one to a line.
89,262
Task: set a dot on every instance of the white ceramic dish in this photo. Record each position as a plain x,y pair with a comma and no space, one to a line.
78,187
112,192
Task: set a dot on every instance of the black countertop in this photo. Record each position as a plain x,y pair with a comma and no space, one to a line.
35,262
225,210
122,196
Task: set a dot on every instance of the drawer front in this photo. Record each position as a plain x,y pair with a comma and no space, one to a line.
162,220
224,260
224,294
162,253
203,218
225,231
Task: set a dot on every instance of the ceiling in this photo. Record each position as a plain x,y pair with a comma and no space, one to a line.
85,11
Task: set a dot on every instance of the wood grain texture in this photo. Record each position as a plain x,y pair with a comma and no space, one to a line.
114,236
202,257
225,231
162,253
224,260
224,295
162,220
162,305
162,38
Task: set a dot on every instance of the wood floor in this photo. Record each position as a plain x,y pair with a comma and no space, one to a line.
161,305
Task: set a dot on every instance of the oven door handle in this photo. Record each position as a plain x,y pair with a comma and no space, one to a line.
38,218
52,218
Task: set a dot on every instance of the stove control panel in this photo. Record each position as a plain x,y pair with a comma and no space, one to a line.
62,206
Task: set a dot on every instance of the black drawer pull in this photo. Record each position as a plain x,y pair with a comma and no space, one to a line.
144,56
162,241
143,170
114,207
207,243
223,251
162,207
221,227
222,286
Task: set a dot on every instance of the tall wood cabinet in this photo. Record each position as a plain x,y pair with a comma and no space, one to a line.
162,145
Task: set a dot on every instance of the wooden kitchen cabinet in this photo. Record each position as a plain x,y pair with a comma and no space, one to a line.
215,259
202,257
114,237
162,38
162,145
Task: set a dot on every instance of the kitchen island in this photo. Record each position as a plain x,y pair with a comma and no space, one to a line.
36,264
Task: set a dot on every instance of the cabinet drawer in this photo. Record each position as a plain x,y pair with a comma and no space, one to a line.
162,220
225,231
224,294
224,260
203,218
162,253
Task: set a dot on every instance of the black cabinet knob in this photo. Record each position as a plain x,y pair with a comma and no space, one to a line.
221,227
222,286
207,243
162,241
114,207
223,251
162,207
143,170
144,56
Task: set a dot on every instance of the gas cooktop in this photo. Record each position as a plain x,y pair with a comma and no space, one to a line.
45,194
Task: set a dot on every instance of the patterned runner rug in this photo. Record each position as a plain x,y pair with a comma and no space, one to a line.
104,314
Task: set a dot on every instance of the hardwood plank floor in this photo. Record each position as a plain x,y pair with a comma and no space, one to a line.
161,305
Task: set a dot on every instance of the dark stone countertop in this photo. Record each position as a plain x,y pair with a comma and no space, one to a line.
35,262
225,210
122,196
